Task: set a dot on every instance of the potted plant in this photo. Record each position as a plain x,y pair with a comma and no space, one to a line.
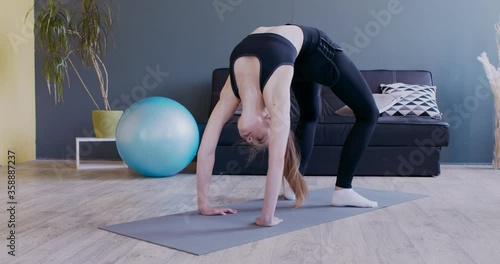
77,32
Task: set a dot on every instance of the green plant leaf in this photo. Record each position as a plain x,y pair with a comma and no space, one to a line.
82,30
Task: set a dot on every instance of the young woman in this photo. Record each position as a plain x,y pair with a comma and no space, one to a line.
263,67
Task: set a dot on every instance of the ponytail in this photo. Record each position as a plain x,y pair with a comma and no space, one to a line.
291,171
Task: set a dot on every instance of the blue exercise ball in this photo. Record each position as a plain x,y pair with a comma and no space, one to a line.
157,137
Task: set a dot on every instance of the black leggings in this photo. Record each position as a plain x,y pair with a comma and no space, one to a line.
349,85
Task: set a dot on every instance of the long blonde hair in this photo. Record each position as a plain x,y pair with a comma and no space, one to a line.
290,170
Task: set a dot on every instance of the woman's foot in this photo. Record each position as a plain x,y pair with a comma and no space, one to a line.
348,197
287,191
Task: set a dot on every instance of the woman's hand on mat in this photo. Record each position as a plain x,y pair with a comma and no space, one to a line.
274,221
217,211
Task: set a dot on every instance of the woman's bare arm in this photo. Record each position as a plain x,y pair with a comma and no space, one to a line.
277,100
225,108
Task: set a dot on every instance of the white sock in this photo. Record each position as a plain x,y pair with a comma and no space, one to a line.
348,197
287,190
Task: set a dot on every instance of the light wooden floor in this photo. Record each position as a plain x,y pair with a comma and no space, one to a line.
60,210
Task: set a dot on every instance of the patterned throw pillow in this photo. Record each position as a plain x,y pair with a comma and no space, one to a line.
420,101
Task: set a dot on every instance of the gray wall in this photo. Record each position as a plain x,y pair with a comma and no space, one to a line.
187,39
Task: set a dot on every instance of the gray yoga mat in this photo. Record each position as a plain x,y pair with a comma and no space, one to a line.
193,233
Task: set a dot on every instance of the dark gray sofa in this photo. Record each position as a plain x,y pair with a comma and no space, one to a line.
408,146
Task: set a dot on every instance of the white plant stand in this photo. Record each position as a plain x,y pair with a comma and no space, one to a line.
96,166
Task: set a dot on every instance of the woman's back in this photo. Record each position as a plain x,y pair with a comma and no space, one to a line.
291,32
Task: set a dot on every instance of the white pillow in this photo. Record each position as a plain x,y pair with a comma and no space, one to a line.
383,102
238,110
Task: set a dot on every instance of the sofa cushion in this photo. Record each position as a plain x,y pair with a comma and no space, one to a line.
331,103
390,131
375,77
383,102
